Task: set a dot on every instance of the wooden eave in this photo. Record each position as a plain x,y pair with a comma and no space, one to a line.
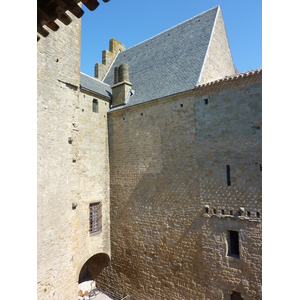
48,11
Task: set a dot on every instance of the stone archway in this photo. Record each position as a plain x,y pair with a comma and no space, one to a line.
90,268
93,265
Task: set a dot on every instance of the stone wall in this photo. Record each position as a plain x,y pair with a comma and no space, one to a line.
72,166
93,172
218,62
171,207
58,72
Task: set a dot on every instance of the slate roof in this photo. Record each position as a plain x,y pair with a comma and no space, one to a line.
94,85
169,62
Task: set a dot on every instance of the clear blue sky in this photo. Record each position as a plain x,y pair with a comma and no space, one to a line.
133,21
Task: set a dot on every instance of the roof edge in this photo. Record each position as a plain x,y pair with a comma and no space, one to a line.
173,27
209,43
227,82
98,80
111,64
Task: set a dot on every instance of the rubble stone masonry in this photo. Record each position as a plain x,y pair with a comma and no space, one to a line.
172,209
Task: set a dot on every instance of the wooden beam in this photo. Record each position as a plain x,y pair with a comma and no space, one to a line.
52,25
71,6
91,4
64,18
61,15
43,32
77,11
45,12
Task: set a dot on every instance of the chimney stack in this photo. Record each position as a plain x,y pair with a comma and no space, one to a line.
121,86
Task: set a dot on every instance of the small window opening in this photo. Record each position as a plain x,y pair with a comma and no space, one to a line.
123,119
95,217
258,214
223,212
205,101
228,175
260,167
181,105
141,114
206,210
231,212
233,244
236,296
248,214
95,106
215,211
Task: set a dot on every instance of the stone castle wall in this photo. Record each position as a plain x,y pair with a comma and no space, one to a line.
93,172
72,166
58,72
168,163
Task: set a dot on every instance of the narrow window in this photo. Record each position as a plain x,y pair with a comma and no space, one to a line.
258,215
181,105
95,217
233,244
223,212
231,213
215,211
95,106
260,167
248,214
228,175
205,101
206,210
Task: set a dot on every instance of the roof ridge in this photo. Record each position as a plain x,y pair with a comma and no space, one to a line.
171,28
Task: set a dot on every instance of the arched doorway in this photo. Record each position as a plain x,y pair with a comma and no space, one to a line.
92,267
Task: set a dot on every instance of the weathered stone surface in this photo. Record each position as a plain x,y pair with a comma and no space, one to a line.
72,167
167,162
163,165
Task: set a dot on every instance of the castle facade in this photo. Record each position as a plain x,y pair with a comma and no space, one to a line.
149,172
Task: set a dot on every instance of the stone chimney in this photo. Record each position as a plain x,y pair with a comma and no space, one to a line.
107,58
121,86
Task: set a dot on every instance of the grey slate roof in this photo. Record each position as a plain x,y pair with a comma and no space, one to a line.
94,85
167,63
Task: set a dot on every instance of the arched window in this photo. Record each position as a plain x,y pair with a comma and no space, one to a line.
95,105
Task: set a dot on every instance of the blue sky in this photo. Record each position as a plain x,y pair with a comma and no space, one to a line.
133,21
